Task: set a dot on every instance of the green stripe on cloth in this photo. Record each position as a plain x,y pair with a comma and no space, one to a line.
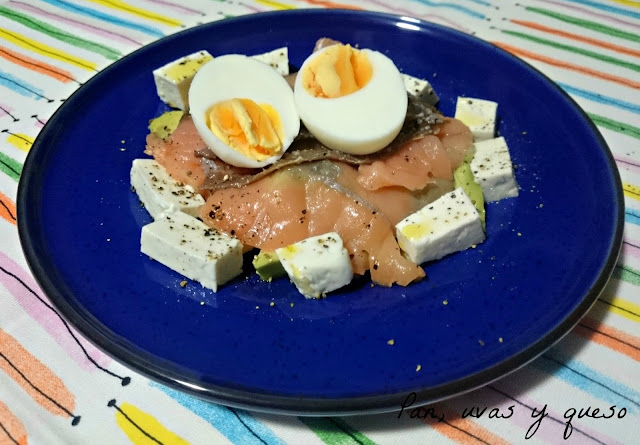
575,50
10,167
628,274
334,431
594,26
59,34
617,126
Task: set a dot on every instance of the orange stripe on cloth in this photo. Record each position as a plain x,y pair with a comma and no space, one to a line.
612,338
7,209
569,66
42,385
578,38
332,5
12,430
462,430
35,65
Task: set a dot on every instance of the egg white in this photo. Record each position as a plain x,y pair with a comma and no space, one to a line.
236,76
362,122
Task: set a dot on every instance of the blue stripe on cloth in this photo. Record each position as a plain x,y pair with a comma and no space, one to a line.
632,216
582,377
237,425
20,86
480,2
608,8
606,100
458,8
105,17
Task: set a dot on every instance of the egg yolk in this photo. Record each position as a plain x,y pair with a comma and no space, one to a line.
251,129
340,70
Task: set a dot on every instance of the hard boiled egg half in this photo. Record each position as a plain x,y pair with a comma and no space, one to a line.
243,110
351,100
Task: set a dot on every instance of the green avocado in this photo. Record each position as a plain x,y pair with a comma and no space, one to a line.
463,177
268,266
165,124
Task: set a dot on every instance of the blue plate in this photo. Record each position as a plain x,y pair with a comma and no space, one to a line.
548,254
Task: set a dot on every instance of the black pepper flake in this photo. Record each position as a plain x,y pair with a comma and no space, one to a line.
375,266
304,212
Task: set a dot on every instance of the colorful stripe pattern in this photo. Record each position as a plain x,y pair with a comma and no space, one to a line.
48,48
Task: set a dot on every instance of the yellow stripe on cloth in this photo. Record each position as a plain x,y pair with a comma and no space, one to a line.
126,7
624,308
20,141
45,50
276,5
631,3
631,191
139,426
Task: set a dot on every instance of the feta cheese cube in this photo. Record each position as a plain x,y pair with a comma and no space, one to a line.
191,248
479,115
278,59
449,224
317,265
492,169
174,79
159,192
420,89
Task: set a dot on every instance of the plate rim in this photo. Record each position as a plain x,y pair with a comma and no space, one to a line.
97,333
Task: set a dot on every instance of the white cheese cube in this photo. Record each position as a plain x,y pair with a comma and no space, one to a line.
449,224
278,59
191,248
174,79
317,265
492,169
479,115
159,192
420,89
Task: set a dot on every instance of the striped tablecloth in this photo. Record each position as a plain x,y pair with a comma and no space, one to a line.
57,388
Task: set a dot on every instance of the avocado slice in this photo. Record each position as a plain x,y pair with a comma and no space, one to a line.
165,124
463,177
268,266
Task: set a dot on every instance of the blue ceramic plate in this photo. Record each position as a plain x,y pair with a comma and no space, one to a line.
548,253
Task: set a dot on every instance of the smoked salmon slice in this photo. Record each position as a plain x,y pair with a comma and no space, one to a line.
413,166
361,202
456,139
177,154
304,201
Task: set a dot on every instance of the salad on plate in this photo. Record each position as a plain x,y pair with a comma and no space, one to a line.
345,167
